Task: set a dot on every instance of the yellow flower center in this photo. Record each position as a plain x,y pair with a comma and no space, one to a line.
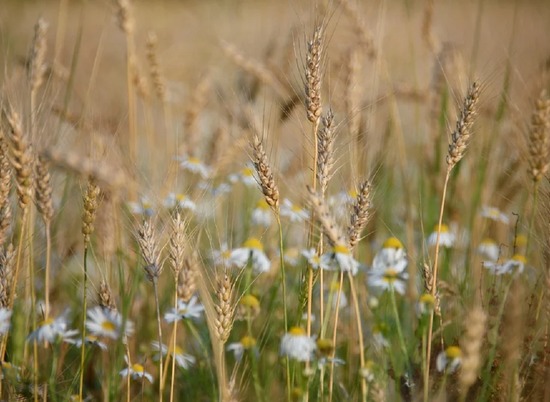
296,208
108,326
324,345
137,368
47,321
392,242
297,331
521,240
178,350
390,275
453,352
250,301
519,258
247,172
253,243
181,197
194,160
341,249
146,205
488,242
443,228
334,286
248,342
352,193
427,298
262,204
226,254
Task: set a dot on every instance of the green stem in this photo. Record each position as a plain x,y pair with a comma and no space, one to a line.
84,307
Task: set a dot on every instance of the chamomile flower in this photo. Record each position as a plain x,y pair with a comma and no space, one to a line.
489,249
194,165
183,360
494,214
222,257
368,371
107,323
90,340
449,359
262,215
380,335
143,207
393,277
446,237
5,320
294,212
516,264
314,259
136,371
186,310
253,251
248,307
51,330
425,305
391,254
245,176
291,256
297,345
238,348
333,289
340,259
180,201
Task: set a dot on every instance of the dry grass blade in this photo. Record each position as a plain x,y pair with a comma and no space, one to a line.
265,174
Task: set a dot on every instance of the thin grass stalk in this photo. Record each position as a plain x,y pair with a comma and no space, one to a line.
360,334
434,287
334,333
175,337
161,383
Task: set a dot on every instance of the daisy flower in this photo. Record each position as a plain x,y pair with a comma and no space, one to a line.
194,165
514,264
238,348
494,214
314,259
143,207
262,215
489,249
91,340
253,251
222,257
294,212
391,254
333,289
5,320
297,345
446,237
191,309
183,360
340,259
245,176
51,330
107,323
449,359
292,256
136,371
248,307
367,371
179,200
425,305
393,277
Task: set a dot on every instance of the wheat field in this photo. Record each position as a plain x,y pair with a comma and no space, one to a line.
244,200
